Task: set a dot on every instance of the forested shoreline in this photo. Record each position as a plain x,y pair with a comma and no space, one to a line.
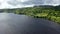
47,12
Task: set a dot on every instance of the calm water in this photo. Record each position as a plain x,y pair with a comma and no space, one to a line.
20,24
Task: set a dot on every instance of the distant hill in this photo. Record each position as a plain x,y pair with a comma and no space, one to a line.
44,6
57,8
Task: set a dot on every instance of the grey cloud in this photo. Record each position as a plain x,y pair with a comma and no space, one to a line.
35,2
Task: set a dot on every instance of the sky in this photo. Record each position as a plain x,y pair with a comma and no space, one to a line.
26,3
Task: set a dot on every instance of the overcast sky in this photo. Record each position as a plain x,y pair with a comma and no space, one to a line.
26,3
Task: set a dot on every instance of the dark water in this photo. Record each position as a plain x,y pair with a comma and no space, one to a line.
20,24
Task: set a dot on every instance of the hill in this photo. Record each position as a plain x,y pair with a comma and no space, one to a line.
43,11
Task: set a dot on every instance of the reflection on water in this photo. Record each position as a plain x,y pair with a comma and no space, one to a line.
21,24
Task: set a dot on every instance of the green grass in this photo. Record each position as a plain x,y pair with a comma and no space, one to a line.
41,14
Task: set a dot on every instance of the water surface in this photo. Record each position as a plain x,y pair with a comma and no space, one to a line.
21,24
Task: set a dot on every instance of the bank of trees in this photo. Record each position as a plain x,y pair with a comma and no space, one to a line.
50,13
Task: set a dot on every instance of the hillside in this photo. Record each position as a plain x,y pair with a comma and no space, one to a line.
47,12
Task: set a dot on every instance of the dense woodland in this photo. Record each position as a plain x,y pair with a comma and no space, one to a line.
47,12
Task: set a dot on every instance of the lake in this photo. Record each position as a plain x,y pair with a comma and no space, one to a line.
21,24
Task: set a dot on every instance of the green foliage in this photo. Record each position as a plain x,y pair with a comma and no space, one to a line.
41,12
50,13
